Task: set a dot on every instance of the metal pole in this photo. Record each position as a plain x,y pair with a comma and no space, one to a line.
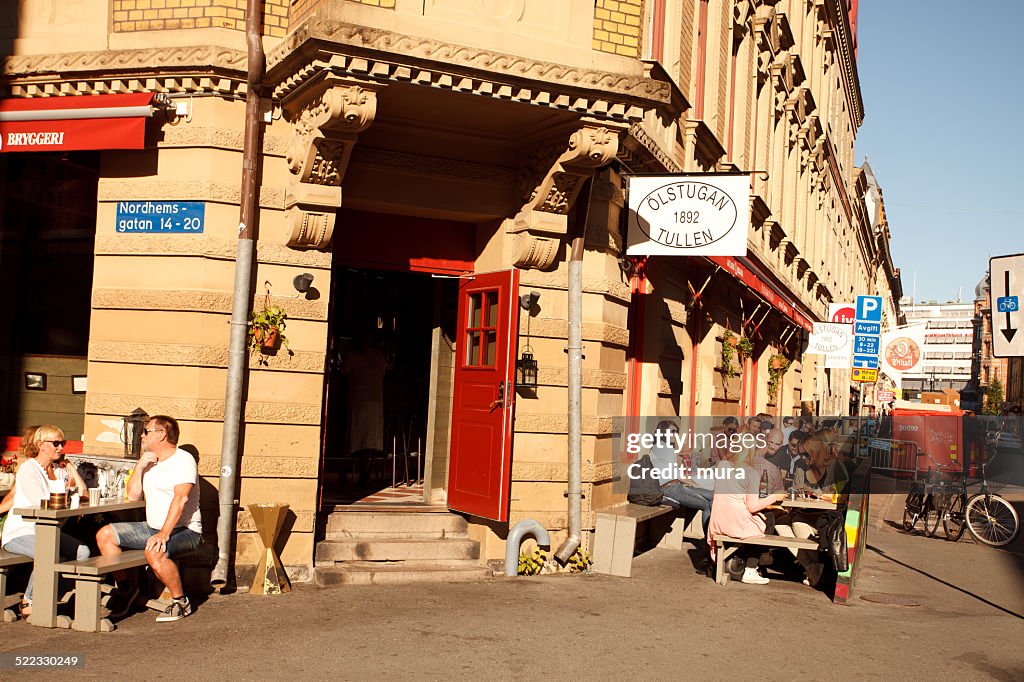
241,299
575,360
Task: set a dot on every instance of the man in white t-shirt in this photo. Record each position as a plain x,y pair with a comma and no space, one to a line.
168,479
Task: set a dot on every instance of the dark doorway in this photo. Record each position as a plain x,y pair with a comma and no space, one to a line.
378,384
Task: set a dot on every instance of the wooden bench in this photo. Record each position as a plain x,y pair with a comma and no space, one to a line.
8,560
727,546
88,575
615,534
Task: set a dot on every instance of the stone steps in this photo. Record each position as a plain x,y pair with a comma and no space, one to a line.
396,549
381,573
396,544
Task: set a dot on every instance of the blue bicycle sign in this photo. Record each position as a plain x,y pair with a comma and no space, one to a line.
1007,304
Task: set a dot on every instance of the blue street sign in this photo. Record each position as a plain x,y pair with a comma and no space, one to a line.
160,217
872,328
1007,304
866,345
869,308
865,361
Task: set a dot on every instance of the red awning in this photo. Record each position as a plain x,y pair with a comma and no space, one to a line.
74,123
745,273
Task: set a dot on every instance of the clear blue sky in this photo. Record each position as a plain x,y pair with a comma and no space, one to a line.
943,89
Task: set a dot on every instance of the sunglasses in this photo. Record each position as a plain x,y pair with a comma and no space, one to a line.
55,443
146,432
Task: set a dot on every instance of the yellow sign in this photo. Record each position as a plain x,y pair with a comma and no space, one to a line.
868,376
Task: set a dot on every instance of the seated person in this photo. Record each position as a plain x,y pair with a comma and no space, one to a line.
682,490
789,458
167,477
32,485
738,511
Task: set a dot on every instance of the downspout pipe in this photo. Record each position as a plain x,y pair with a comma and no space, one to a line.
515,539
241,298
575,352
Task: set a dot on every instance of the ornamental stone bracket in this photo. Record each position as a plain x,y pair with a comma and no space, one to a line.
326,117
539,228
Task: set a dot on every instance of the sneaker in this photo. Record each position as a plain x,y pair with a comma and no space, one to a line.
178,609
752,577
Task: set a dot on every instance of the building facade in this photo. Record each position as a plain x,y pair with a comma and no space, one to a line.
947,349
427,164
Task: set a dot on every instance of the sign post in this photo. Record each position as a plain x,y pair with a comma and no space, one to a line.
1006,287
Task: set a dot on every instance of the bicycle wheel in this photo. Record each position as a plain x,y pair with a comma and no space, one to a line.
932,514
992,520
911,511
953,520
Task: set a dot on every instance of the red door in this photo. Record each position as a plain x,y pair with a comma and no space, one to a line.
479,472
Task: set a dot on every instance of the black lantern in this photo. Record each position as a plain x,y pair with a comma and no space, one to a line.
526,368
131,434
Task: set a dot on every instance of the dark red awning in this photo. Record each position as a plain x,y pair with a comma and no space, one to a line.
759,284
75,123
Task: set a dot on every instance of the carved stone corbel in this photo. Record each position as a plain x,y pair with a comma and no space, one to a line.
539,228
327,118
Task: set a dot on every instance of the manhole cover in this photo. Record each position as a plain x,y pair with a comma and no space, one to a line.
890,599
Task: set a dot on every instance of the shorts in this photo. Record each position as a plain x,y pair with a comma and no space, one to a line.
135,534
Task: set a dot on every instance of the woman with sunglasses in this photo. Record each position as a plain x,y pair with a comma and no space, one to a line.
32,485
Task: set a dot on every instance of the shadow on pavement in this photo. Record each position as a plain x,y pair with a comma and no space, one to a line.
937,579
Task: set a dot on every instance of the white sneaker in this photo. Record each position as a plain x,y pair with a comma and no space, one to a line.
752,577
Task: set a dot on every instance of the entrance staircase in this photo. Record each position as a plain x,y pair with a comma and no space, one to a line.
392,544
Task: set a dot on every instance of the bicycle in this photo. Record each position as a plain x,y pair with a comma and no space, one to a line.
989,518
921,505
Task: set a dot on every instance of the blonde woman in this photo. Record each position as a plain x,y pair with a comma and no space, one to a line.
737,509
824,470
31,486
23,449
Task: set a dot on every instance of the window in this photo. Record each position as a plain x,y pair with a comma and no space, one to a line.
482,329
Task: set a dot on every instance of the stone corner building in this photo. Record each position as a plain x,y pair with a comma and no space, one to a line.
427,163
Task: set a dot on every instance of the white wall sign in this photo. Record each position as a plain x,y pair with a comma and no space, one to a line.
832,340
688,215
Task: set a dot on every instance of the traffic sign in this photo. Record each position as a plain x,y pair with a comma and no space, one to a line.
869,308
868,376
865,361
884,396
873,328
1006,288
865,345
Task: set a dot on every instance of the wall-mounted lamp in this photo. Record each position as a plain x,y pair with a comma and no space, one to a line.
131,434
526,370
302,282
527,301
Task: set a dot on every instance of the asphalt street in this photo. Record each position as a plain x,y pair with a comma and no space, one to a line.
664,622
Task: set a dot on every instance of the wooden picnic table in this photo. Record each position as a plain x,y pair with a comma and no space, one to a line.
48,523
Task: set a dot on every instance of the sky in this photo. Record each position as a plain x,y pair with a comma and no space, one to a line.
943,90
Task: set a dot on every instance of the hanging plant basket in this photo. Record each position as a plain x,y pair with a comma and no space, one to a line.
268,339
745,348
778,365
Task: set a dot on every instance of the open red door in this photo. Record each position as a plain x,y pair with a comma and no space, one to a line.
480,469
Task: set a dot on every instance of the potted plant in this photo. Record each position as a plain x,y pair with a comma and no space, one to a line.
778,365
266,330
745,348
729,343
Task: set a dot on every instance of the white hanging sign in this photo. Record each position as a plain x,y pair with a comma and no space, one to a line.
834,341
688,215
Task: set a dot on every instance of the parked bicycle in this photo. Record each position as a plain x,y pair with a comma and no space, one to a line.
925,503
989,518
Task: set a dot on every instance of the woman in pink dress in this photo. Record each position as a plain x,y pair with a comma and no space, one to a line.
736,511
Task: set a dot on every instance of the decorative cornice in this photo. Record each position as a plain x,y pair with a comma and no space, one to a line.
205,246
840,20
200,409
194,69
197,355
367,52
227,192
200,302
641,152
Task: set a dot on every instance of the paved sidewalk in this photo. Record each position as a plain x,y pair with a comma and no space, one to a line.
664,622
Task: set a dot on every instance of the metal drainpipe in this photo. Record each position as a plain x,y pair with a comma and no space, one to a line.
515,539
575,351
241,298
